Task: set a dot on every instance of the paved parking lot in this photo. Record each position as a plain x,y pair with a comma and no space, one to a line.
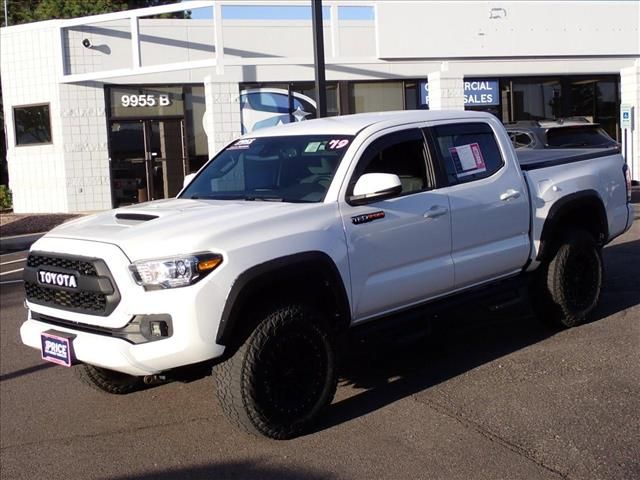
498,397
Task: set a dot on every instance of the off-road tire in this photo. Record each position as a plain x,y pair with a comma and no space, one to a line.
568,284
282,377
107,380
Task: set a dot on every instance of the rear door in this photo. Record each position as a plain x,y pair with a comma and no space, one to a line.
488,199
399,248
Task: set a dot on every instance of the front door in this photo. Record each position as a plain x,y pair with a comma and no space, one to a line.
400,254
148,160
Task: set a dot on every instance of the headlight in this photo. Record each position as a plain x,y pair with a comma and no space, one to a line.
172,272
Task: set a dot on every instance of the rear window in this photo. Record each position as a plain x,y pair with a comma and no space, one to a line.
578,137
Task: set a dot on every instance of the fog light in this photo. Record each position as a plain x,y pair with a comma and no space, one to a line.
158,329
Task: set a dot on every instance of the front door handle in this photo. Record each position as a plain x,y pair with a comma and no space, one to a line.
436,211
509,194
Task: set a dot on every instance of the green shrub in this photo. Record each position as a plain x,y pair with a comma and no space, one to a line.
5,197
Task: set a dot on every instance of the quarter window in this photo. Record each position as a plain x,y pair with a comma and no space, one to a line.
468,151
400,153
32,125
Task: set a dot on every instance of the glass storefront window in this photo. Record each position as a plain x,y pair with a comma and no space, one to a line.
410,95
536,100
594,98
332,97
376,97
156,136
607,106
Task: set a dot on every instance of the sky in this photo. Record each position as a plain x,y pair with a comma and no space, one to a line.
282,12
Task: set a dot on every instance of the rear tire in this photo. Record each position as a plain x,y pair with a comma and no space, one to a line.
281,377
569,284
108,381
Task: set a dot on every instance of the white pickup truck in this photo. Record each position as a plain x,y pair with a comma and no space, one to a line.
291,236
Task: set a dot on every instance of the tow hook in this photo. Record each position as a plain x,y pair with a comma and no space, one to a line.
154,379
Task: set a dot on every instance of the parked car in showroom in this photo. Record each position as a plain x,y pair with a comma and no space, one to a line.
575,132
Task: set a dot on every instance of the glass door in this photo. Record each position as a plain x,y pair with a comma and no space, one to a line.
148,160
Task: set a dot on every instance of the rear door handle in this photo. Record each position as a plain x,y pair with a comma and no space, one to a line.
509,194
436,211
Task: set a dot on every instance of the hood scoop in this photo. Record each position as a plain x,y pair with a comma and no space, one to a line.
138,217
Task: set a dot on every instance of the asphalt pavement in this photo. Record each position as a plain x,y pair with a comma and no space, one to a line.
488,397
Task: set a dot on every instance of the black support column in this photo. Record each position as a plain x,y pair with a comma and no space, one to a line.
318,57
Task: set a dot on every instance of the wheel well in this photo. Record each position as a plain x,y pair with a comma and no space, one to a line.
583,210
311,277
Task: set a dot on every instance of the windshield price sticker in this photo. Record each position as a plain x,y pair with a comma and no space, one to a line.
242,144
335,144
467,159
148,100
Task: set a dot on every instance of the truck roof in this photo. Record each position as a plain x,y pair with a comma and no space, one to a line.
352,124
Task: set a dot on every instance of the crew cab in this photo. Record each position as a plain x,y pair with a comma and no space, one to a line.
293,236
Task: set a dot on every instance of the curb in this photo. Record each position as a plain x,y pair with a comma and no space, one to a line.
19,242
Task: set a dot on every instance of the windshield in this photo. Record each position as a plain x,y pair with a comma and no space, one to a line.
588,136
281,169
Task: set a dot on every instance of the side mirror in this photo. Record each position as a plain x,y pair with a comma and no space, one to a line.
374,187
187,179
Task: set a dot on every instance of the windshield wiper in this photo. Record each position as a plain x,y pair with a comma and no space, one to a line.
252,198
216,197
249,198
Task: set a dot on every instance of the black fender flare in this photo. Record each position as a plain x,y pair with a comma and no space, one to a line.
559,211
265,274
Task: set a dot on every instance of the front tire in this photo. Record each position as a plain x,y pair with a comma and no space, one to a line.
282,376
569,284
108,381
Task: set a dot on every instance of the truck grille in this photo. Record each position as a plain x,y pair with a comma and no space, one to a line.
80,266
87,301
95,294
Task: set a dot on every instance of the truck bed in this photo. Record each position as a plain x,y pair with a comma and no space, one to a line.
531,159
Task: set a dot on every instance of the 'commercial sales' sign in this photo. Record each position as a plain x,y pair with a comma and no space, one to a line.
476,93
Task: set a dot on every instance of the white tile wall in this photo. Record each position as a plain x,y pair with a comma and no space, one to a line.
446,91
71,173
222,114
85,146
36,172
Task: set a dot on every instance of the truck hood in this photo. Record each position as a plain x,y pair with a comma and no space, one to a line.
169,227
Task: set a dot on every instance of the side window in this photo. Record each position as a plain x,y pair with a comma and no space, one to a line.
467,151
401,153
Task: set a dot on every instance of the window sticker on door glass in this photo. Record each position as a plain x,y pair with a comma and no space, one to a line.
242,143
467,159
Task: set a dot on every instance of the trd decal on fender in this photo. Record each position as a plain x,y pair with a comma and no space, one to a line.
367,217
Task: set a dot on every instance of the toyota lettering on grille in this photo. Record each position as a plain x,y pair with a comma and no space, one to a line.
57,279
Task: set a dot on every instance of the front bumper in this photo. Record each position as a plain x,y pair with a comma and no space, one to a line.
195,312
122,356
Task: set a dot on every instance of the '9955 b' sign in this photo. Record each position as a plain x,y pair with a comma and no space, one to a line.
139,103
148,100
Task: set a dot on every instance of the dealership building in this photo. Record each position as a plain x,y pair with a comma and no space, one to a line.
116,109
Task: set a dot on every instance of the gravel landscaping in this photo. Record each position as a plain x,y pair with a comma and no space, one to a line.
21,224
